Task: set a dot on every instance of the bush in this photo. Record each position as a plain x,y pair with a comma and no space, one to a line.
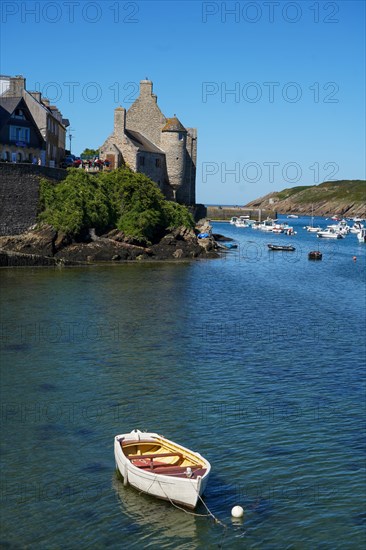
75,204
121,198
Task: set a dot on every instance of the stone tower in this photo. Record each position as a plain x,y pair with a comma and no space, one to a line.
144,115
160,147
173,142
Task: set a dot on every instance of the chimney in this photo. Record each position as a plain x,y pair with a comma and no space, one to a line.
119,121
36,95
146,87
45,101
17,85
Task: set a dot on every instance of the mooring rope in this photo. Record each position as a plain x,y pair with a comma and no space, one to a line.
209,514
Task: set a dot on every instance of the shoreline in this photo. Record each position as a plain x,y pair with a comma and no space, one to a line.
46,247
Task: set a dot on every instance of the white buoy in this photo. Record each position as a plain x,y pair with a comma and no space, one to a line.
237,512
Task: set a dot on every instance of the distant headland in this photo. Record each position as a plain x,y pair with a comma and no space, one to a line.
343,197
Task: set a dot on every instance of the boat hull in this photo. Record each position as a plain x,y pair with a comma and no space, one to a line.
315,255
361,236
184,491
281,247
325,235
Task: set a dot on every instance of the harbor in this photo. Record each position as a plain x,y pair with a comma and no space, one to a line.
289,394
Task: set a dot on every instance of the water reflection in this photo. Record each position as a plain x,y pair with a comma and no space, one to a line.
160,522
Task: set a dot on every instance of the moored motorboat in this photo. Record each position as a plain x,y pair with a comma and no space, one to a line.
356,228
292,216
157,466
361,235
342,227
244,222
329,234
312,229
286,248
266,225
283,228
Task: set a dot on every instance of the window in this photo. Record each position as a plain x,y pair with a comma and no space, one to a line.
142,161
157,163
19,114
19,133
181,136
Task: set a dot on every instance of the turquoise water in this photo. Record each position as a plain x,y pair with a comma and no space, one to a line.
255,360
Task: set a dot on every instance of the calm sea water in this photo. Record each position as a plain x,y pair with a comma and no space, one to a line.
256,360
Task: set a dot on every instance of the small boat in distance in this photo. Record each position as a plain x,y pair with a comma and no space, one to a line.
229,246
315,255
362,235
157,466
311,227
293,216
356,228
244,221
281,247
329,234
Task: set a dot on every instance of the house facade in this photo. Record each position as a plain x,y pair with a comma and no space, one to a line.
20,138
48,119
148,142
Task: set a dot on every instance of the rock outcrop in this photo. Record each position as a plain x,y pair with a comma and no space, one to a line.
45,246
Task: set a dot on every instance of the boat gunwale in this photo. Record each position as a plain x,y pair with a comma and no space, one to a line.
150,472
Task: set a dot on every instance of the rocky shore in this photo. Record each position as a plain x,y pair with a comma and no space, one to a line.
46,247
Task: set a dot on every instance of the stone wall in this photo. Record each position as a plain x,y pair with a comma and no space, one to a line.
225,213
150,169
19,194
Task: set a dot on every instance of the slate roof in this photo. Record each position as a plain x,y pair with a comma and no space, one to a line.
142,142
173,125
7,107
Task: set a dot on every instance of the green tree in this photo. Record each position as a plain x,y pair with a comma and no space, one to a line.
124,199
90,153
75,204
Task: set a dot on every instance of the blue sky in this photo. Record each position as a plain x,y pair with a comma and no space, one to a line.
275,88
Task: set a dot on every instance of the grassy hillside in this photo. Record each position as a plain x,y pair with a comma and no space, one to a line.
344,197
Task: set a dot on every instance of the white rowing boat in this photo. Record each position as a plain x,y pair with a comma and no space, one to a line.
157,466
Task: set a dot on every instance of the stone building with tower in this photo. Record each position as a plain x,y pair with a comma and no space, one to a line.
148,142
